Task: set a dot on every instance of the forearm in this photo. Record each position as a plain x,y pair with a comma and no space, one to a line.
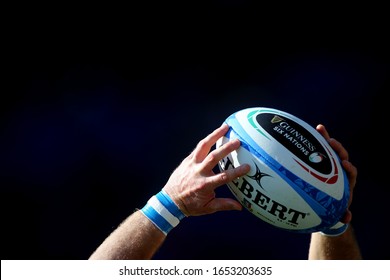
130,242
342,247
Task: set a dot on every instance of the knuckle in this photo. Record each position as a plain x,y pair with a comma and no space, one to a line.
223,177
211,157
202,144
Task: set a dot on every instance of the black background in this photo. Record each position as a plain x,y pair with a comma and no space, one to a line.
100,104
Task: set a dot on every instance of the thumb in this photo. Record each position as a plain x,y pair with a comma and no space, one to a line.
223,204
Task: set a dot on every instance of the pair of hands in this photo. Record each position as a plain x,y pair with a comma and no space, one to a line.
192,184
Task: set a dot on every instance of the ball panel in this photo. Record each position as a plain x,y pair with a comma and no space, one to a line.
285,188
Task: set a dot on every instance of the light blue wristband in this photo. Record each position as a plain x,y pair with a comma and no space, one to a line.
163,212
335,230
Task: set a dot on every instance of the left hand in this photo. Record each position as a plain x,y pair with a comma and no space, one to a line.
192,184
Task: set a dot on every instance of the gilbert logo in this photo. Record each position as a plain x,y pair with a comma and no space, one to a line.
258,176
264,202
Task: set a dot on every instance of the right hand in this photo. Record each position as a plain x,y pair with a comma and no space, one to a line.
350,169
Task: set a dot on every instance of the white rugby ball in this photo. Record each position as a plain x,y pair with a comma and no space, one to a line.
296,181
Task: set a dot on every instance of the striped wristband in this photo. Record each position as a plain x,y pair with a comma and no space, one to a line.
162,212
335,230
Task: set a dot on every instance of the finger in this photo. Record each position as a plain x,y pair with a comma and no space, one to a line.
227,176
322,130
351,172
215,156
223,204
339,149
352,175
336,145
204,146
346,219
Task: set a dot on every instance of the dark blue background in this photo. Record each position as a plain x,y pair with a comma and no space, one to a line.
98,108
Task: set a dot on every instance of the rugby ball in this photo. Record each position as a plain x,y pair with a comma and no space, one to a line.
296,181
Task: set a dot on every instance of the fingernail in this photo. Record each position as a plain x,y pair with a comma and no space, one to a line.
236,142
245,167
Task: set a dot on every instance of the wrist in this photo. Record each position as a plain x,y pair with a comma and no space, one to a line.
162,211
336,230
